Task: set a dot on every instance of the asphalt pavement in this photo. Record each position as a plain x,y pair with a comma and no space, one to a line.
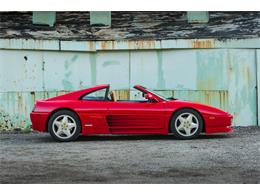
36,158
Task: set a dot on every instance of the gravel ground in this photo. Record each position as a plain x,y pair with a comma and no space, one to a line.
36,158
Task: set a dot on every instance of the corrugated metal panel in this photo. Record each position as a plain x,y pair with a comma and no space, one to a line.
241,82
225,78
179,69
20,70
37,71
231,70
15,107
30,44
77,46
113,67
216,98
66,71
144,68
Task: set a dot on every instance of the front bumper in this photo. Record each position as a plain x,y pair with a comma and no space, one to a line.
219,124
211,130
39,121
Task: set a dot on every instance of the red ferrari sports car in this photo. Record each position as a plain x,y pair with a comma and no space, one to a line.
96,110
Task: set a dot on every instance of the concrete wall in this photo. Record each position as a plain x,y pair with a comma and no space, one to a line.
222,77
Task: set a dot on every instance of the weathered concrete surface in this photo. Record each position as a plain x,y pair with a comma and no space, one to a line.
132,26
36,158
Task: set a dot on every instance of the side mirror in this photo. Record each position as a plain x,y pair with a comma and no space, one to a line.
150,97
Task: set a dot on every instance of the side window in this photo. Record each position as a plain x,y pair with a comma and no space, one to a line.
99,95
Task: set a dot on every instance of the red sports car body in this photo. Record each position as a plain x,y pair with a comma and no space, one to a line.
96,110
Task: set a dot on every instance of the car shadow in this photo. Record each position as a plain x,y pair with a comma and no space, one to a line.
137,137
145,137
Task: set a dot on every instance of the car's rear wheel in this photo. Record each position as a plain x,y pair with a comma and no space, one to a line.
186,124
64,126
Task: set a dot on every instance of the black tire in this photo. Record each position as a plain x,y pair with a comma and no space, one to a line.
76,131
196,131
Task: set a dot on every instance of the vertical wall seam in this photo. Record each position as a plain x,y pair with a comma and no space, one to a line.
59,45
43,75
129,80
257,87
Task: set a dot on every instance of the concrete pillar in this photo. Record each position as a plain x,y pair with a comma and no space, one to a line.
198,16
100,17
44,18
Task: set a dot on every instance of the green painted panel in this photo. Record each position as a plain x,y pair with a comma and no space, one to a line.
67,70
15,107
113,67
241,79
20,70
198,16
143,65
44,18
45,70
211,71
100,17
216,98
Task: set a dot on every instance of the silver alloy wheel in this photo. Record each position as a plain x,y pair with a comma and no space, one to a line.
186,124
64,126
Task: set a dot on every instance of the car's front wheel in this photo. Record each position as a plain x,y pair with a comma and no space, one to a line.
64,126
186,124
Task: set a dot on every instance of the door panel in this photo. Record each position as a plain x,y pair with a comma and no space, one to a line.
93,117
132,120
136,117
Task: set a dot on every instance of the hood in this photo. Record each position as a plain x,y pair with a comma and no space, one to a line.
203,108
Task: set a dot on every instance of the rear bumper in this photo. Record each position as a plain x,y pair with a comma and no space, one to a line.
39,120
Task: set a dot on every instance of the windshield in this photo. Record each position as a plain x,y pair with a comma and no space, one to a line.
144,90
157,94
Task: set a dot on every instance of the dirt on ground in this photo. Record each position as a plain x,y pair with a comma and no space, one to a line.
36,158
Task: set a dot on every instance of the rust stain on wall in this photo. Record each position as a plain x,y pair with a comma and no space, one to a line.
91,45
246,73
207,97
223,99
208,43
141,44
113,44
217,98
20,103
105,45
62,92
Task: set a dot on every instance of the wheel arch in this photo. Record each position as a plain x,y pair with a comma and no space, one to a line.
169,122
59,109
